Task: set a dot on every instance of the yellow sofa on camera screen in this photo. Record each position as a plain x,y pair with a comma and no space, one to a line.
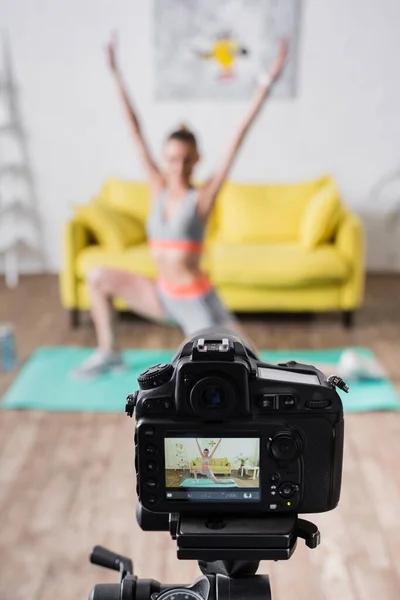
269,248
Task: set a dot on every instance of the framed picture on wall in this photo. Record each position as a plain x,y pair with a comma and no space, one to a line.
208,49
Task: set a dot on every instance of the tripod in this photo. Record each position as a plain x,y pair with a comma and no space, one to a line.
228,551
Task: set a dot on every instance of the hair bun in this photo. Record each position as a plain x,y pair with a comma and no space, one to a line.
183,127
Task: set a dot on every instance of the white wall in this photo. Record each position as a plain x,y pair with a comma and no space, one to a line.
345,119
230,448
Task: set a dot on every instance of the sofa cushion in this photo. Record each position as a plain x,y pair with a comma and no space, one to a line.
127,197
113,230
321,216
276,265
136,259
220,462
263,213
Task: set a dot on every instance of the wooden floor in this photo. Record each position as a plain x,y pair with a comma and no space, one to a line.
66,480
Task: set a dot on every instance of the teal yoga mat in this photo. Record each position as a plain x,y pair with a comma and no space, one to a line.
208,483
45,381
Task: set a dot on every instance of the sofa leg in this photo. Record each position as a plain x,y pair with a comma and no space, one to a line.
348,318
74,318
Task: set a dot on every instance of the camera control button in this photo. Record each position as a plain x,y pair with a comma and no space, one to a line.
149,432
267,402
288,401
287,490
316,404
152,499
273,506
151,466
151,449
274,477
284,447
151,483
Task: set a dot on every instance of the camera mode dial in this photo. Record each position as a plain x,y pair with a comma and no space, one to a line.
155,376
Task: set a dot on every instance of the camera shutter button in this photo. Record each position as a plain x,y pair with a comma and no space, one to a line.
155,376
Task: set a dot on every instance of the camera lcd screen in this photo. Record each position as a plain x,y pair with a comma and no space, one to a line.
212,469
291,376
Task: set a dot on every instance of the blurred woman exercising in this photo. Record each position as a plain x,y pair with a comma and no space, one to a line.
205,468
182,293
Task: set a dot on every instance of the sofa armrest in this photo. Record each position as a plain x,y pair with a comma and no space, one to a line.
76,237
350,243
349,239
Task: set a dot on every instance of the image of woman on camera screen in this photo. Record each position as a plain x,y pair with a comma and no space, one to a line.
181,293
205,468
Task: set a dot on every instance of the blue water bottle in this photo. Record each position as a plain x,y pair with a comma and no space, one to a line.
8,360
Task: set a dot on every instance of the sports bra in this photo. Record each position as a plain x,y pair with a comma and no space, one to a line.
206,461
184,230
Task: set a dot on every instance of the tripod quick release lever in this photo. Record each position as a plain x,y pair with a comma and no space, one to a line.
308,532
110,560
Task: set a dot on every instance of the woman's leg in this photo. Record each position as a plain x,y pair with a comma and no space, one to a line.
139,293
197,470
205,312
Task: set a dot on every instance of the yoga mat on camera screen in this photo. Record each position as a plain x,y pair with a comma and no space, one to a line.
45,381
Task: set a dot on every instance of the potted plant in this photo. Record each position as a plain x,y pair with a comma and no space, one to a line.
243,460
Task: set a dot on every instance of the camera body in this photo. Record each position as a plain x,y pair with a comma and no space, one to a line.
219,431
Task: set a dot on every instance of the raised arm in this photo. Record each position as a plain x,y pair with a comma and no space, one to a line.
152,172
216,446
210,190
200,450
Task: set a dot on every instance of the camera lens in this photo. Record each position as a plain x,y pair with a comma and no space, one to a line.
213,396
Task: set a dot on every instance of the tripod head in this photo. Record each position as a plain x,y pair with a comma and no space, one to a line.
228,551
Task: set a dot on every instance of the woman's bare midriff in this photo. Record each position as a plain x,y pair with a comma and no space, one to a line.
178,267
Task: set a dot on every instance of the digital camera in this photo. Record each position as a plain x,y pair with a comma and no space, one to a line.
219,431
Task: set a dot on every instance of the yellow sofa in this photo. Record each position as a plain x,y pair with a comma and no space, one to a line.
269,248
219,466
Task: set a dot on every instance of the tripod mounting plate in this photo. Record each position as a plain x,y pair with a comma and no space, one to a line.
236,537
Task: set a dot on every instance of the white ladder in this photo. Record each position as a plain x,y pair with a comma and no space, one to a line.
20,226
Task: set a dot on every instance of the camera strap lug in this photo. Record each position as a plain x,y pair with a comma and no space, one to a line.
130,405
336,381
